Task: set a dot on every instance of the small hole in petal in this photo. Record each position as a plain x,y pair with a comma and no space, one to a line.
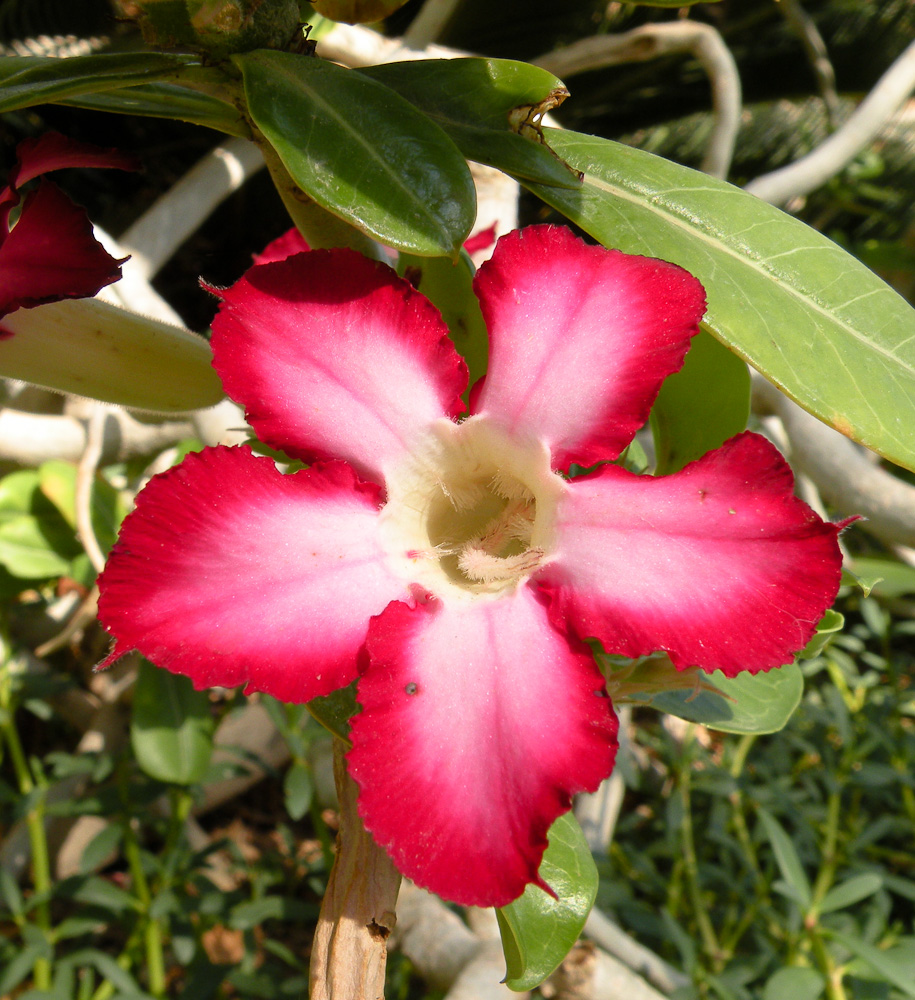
411,688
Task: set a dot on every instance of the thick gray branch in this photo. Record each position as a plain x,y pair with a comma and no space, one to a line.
871,115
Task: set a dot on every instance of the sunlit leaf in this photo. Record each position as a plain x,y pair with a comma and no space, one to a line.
538,930
748,703
700,406
171,729
810,317
361,151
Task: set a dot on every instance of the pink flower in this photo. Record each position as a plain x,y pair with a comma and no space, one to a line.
50,253
448,566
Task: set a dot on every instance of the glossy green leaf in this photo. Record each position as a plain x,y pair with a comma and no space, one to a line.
796,983
362,152
815,321
29,80
786,857
486,106
700,406
851,891
171,729
448,285
538,930
748,703
166,100
889,966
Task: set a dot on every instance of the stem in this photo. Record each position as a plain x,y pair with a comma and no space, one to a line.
41,862
152,930
691,868
350,948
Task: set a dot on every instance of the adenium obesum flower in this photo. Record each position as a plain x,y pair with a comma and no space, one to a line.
450,566
50,253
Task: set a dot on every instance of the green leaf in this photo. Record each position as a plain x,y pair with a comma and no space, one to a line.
829,625
298,789
57,481
789,864
29,80
700,406
166,100
748,703
486,106
798,983
890,578
361,151
897,972
253,913
811,318
334,710
171,729
35,541
538,930
851,891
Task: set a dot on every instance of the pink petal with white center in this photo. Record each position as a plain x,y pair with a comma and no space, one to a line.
718,564
580,340
332,354
51,254
232,573
479,722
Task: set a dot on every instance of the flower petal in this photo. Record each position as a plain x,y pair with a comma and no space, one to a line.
51,254
332,354
53,151
479,722
232,573
718,564
580,340
292,241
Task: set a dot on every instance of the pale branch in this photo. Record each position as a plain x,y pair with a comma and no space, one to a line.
598,812
587,973
33,438
846,474
429,23
85,480
616,942
180,211
652,41
805,28
880,106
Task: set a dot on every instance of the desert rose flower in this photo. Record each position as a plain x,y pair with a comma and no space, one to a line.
50,253
449,565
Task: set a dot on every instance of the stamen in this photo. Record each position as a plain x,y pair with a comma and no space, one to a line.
462,497
507,486
477,564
